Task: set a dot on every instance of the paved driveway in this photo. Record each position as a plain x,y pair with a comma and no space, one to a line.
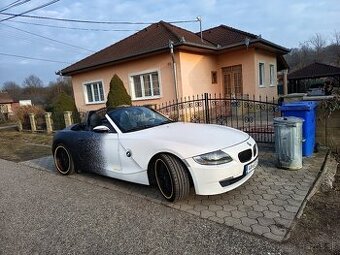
266,205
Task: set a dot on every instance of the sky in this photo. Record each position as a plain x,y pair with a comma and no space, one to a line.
284,22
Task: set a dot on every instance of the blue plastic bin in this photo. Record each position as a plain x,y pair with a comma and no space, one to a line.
306,111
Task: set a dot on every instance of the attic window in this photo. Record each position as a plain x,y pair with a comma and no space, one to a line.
213,77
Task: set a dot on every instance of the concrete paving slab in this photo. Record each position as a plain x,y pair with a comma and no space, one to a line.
266,205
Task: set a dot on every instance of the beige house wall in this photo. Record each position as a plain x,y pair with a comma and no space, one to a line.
194,72
161,63
269,90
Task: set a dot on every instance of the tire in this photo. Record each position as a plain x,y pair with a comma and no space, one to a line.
63,160
172,178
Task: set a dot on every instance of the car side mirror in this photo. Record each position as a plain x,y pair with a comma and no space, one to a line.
101,129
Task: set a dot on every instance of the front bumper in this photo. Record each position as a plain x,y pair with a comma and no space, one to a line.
217,179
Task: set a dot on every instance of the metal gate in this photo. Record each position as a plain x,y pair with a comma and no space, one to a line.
245,113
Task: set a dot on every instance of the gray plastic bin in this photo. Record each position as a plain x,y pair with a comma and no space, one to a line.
288,142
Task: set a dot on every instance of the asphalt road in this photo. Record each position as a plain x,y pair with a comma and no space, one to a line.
45,213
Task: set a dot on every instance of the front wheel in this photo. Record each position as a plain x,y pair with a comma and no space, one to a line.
172,178
63,160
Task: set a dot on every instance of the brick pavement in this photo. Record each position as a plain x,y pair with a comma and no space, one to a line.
266,205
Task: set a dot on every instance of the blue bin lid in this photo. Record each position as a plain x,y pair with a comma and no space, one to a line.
299,106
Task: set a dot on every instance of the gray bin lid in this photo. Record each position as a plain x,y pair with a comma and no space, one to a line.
290,120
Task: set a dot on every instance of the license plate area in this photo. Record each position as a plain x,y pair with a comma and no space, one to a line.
251,166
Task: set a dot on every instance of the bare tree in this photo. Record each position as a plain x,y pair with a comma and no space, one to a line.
319,44
13,89
336,48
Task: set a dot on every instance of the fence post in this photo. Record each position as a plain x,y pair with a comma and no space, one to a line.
19,125
68,118
48,121
206,106
32,121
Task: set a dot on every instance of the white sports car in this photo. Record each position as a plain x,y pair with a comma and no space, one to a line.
140,145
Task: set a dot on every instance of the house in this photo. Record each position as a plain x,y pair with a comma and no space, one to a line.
316,73
6,103
164,62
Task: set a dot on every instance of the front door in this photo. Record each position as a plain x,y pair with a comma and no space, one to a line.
232,80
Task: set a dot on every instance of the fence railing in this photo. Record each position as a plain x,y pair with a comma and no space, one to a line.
251,115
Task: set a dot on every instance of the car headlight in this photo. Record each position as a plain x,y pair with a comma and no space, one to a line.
213,158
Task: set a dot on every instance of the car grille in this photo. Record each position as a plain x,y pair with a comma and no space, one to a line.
245,156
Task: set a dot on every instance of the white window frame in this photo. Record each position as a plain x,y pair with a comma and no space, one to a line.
92,92
261,73
132,85
272,74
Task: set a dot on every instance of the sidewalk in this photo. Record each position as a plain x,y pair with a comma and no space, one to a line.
266,205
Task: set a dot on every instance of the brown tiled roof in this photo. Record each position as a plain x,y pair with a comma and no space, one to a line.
5,98
152,38
156,37
224,35
315,70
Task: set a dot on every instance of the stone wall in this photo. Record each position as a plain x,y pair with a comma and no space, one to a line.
328,129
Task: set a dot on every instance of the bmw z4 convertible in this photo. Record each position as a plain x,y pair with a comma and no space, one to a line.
138,144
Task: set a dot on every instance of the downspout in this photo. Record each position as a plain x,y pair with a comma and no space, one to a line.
171,46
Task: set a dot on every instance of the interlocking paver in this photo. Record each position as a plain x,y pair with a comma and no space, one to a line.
242,227
258,229
270,214
277,201
238,214
254,214
275,208
215,208
200,207
248,221
265,205
259,208
263,221
223,214
230,221
287,215
207,214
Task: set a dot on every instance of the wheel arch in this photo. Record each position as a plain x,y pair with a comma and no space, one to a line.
151,173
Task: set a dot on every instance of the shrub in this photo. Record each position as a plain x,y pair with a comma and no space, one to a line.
62,103
117,94
22,114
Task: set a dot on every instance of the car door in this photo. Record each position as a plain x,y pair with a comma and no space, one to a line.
98,152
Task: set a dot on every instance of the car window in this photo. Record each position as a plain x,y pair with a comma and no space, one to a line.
129,119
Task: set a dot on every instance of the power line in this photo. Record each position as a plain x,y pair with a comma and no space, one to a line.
32,58
14,4
47,38
94,21
73,28
30,10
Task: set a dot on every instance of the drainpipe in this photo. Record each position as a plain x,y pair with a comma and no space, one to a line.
171,46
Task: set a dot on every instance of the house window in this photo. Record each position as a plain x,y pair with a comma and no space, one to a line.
94,92
271,75
145,85
213,77
261,74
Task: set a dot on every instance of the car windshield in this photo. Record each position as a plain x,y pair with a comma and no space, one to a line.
134,118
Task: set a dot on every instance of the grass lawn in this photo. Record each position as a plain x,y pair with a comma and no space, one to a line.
21,146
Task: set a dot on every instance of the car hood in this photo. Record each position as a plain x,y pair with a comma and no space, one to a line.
187,139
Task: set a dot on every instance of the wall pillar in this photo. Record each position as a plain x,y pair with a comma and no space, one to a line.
68,118
48,121
32,121
285,82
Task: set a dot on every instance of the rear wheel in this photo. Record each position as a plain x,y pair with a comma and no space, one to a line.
63,160
172,178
